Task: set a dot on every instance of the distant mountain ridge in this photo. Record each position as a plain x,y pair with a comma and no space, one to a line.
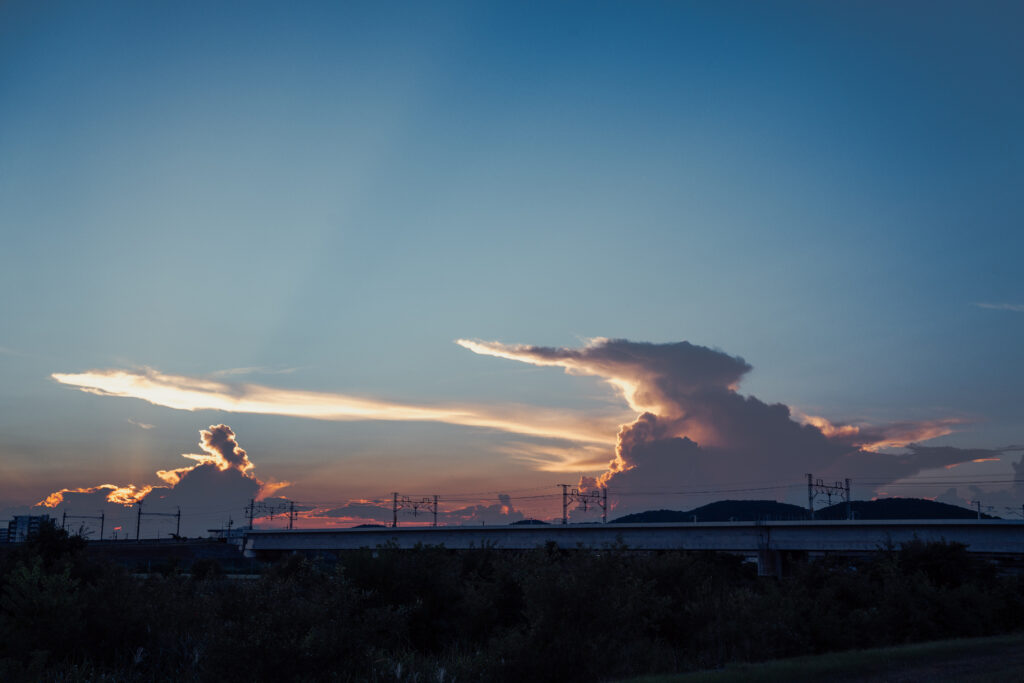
770,510
722,511
899,508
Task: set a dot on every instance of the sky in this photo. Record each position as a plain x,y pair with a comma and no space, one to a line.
464,248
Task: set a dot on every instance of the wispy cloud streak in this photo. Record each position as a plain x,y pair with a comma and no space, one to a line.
253,370
193,393
1016,308
879,437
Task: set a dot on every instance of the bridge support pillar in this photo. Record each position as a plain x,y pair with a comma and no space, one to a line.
769,562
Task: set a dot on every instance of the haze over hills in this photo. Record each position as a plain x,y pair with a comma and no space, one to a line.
769,510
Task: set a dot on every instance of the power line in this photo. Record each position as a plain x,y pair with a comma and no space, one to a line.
399,502
100,517
138,520
584,499
942,483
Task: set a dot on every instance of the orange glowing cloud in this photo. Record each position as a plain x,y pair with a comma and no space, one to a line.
583,458
221,453
876,438
191,393
123,495
827,428
957,464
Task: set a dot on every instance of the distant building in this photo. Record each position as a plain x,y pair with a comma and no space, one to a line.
3,534
24,527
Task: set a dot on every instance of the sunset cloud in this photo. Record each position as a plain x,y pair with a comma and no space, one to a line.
694,427
222,474
191,393
363,511
690,425
879,437
1005,502
650,377
112,493
550,458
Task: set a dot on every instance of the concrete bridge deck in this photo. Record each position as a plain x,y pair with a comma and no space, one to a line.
993,537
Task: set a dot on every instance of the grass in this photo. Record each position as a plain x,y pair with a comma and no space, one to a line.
969,660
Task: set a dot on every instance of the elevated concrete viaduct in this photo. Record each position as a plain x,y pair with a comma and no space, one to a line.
767,543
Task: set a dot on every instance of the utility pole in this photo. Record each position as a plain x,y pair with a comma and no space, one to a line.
977,504
565,503
584,499
400,502
66,517
839,488
176,515
810,494
271,508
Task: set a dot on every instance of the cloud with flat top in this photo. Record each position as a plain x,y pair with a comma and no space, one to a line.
694,428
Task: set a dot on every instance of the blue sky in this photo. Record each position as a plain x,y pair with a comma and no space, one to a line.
341,190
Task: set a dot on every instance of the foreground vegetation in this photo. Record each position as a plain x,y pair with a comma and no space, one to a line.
438,615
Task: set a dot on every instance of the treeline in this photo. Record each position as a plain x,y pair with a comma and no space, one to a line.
437,615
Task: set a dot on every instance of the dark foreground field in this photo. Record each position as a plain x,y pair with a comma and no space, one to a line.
437,615
996,659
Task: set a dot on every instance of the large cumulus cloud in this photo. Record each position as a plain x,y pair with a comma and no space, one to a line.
217,486
695,429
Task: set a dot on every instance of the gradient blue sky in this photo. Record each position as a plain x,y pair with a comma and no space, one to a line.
340,190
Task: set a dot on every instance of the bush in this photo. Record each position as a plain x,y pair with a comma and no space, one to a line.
544,615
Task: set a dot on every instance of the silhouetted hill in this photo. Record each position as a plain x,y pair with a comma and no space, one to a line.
748,510
752,510
899,508
528,522
722,511
651,516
